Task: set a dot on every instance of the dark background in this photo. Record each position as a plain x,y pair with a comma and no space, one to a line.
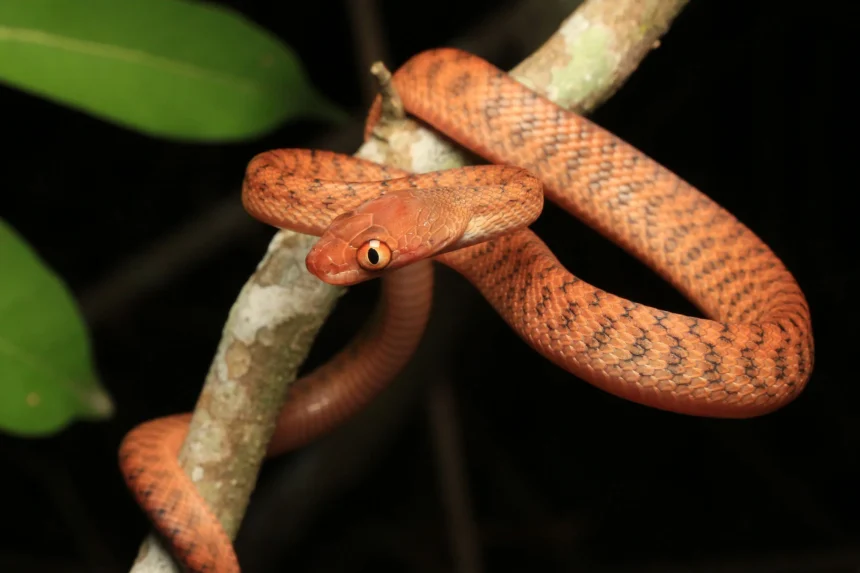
746,100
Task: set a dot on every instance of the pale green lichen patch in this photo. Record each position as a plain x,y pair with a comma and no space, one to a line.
529,83
592,63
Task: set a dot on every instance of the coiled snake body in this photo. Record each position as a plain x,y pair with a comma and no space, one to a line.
752,355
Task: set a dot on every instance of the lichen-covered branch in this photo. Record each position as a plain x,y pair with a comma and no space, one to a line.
276,317
267,336
596,49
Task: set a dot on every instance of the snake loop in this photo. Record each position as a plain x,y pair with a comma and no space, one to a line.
752,354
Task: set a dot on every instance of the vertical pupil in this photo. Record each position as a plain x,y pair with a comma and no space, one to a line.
372,256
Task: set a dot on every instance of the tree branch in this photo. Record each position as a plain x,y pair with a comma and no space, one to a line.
596,49
275,319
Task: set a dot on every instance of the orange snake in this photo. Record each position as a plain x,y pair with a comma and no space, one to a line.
752,355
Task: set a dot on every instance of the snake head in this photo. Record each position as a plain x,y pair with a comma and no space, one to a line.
381,235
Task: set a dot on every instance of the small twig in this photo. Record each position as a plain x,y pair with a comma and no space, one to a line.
392,105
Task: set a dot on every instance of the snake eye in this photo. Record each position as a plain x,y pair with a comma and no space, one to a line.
373,255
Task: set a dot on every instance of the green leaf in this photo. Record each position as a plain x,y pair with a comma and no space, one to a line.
46,373
168,68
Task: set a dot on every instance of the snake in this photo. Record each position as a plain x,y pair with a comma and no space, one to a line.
749,354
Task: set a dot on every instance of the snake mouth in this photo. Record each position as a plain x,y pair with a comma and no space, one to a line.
330,260
335,261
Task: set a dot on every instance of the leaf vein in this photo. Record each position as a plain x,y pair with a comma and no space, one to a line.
109,51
